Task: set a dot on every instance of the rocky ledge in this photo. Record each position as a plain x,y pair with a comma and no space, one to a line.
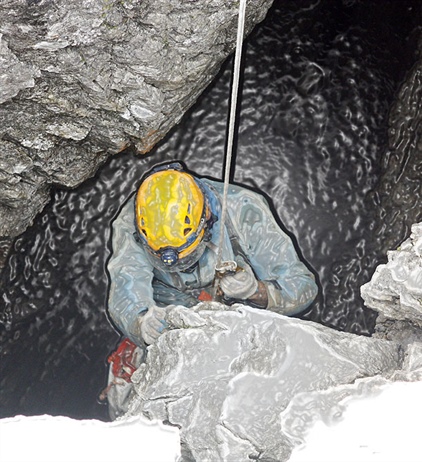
82,80
395,291
247,384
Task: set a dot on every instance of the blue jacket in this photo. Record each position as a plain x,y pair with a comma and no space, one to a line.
135,284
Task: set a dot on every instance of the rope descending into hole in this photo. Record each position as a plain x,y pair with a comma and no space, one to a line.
222,267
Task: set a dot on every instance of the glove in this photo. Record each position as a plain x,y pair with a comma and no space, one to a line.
153,324
240,285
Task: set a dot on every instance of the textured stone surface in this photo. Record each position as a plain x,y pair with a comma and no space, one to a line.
412,364
404,332
398,195
84,79
395,291
247,383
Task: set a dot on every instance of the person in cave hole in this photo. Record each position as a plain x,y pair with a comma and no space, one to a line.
165,244
170,259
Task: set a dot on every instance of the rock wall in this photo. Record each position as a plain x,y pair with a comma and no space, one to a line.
82,80
246,384
395,291
398,195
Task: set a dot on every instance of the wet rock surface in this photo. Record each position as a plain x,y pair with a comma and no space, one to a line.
247,384
395,291
82,80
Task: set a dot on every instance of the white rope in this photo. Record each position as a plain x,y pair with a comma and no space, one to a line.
232,120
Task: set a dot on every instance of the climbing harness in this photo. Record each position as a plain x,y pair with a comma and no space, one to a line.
223,267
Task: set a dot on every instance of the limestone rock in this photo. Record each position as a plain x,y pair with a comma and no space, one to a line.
404,332
246,383
398,195
396,287
81,80
412,364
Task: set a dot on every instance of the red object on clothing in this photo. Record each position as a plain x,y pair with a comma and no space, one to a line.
204,296
122,360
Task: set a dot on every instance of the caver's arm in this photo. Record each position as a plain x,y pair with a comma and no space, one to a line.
130,275
290,285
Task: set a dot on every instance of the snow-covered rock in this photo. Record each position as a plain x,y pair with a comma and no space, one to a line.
244,383
61,439
381,428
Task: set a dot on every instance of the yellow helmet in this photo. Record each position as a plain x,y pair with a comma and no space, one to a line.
170,214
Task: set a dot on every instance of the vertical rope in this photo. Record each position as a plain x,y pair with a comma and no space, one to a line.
232,120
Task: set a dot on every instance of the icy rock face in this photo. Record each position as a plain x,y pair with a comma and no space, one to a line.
244,383
81,80
395,291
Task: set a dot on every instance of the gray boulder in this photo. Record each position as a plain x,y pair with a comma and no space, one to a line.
395,291
244,383
82,80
